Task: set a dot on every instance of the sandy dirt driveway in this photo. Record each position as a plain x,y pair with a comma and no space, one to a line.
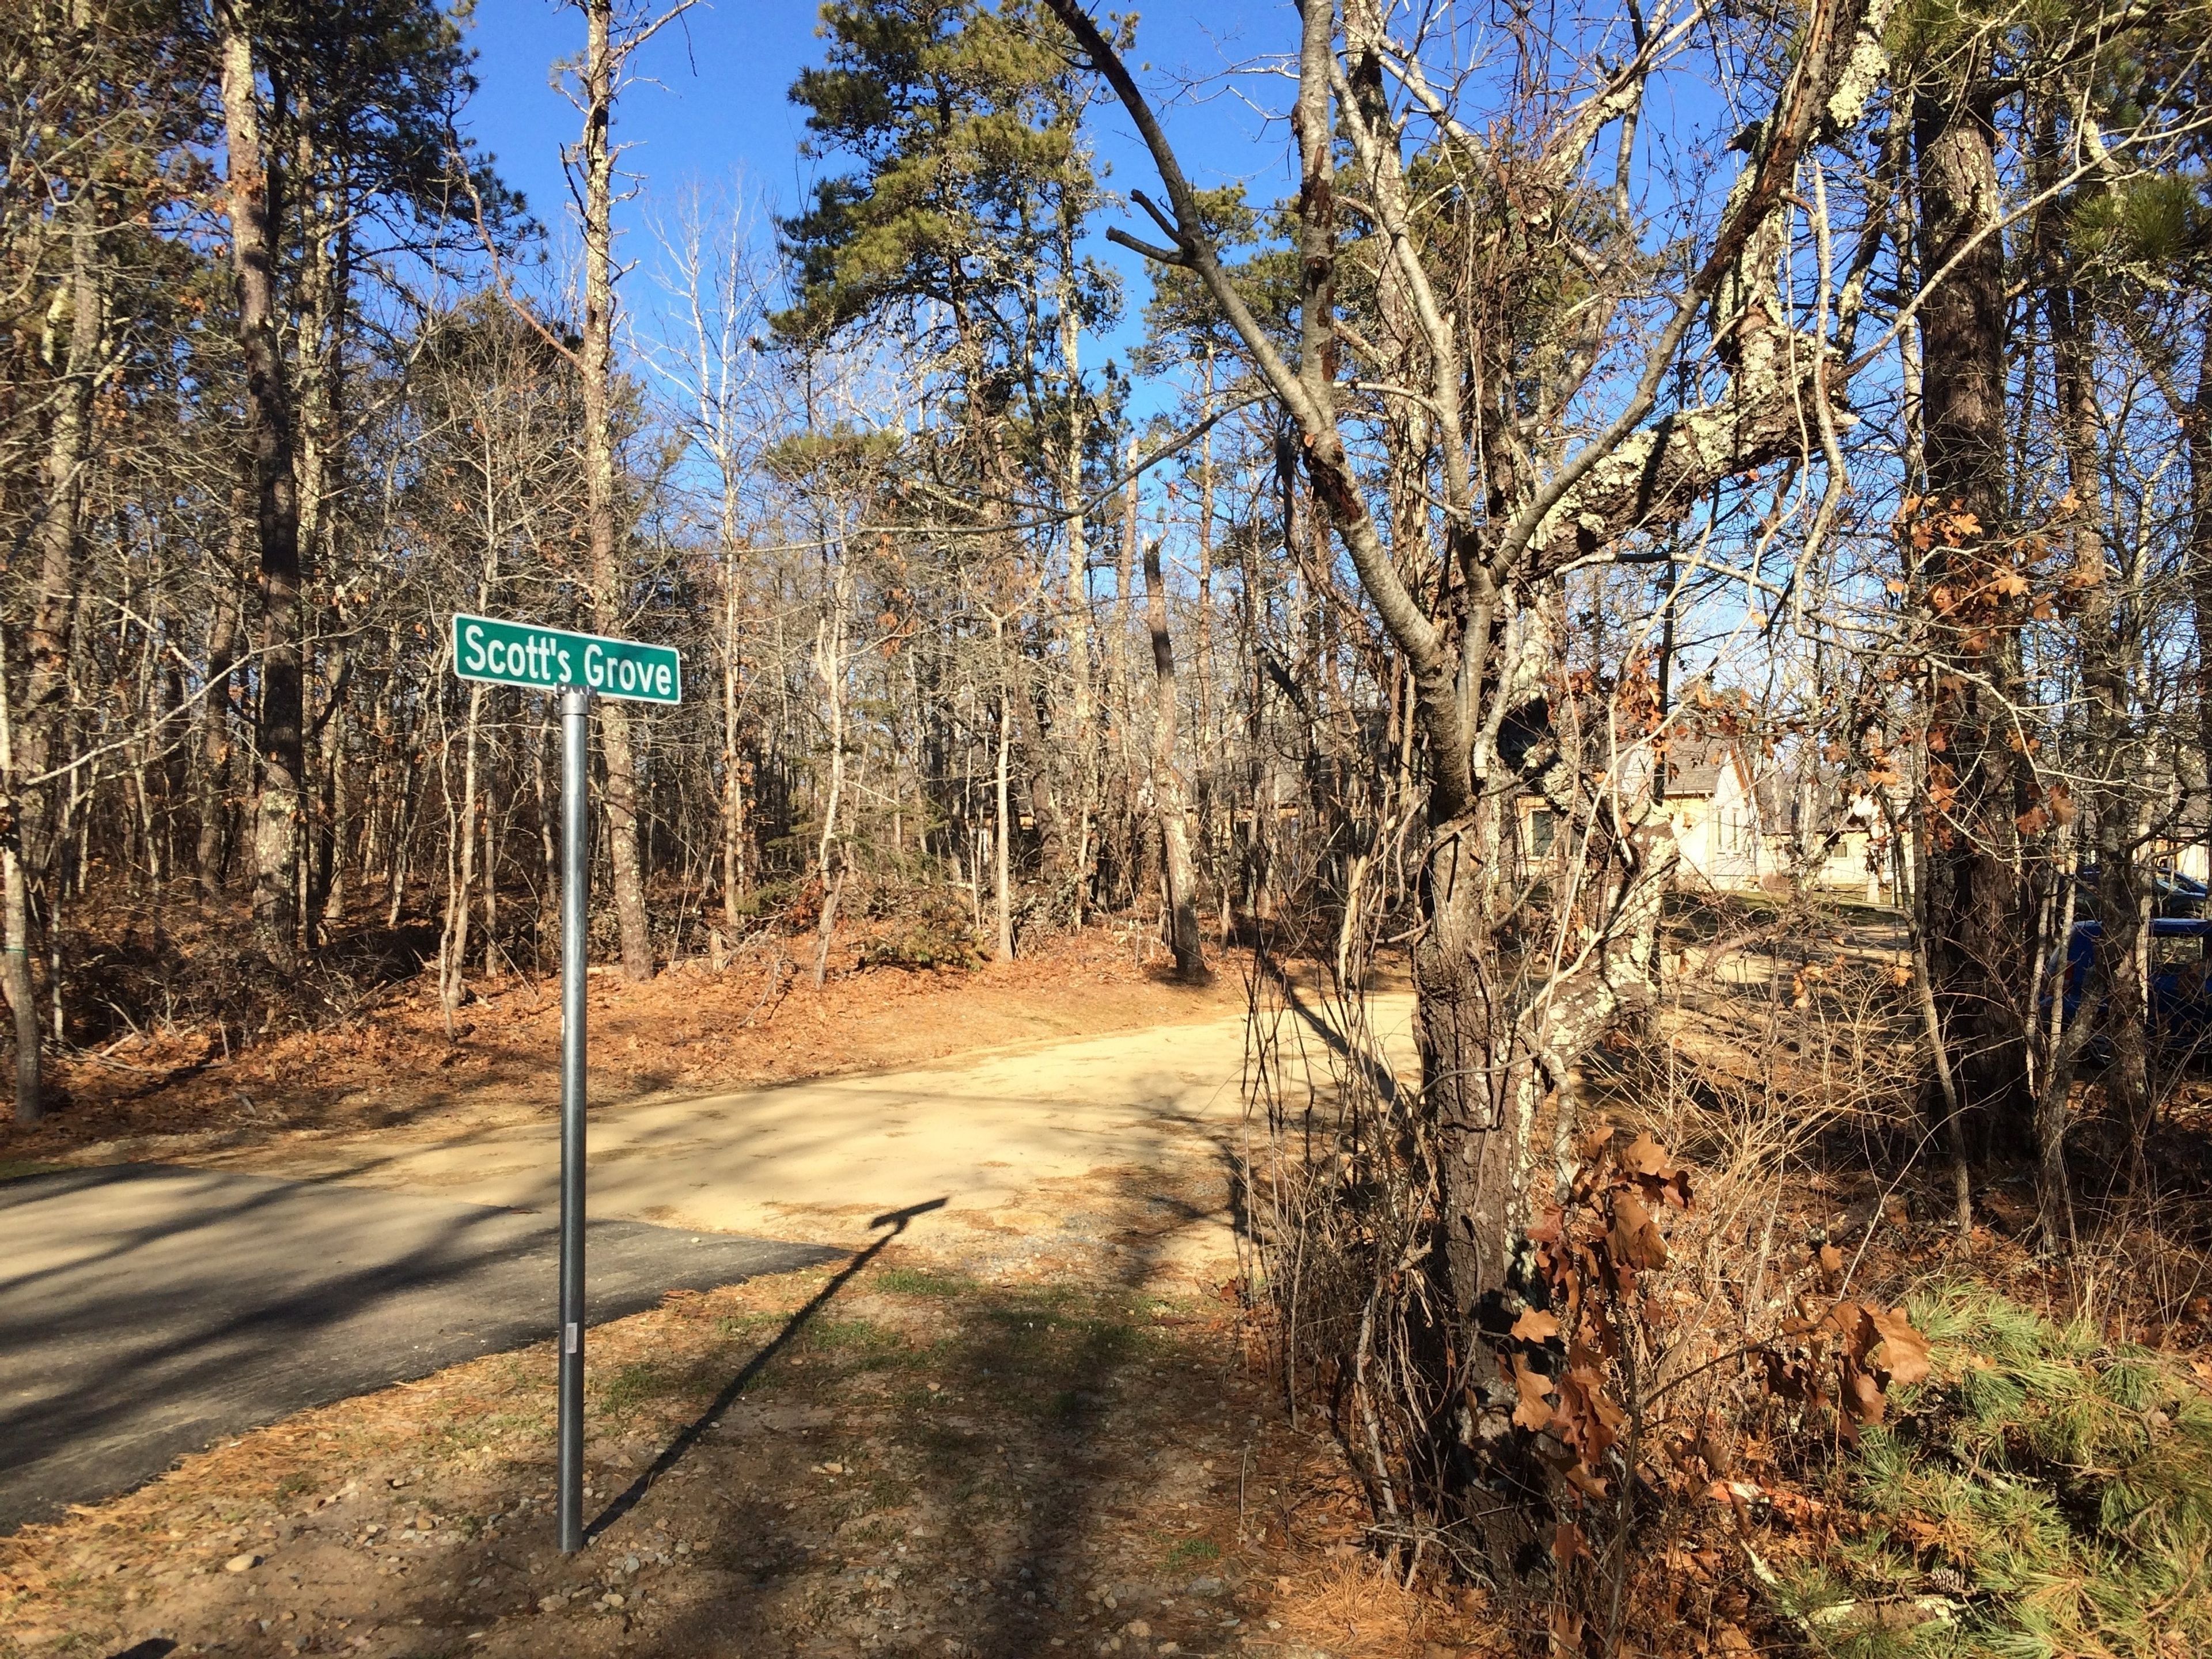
1031,1418
1009,1145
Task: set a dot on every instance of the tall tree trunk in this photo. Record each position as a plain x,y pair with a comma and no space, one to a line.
1121,684
1083,738
625,857
37,721
1976,936
326,285
1202,664
736,874
1169,806
60,529
2116,767
16,920
461,862
341,807
1003,833
830,663
211,852
251,200
327,733
2197,428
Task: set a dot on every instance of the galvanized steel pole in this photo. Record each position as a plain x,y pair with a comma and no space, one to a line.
576,848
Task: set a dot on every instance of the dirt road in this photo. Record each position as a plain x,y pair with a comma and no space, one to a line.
1012,1141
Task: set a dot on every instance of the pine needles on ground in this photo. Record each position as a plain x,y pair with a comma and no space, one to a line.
2043,1493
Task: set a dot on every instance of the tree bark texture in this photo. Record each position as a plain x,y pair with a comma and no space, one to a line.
2117,766
624,857
211,851
249,199
1171,806
30,807
1976,917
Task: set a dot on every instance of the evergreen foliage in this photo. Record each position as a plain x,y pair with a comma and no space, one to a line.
2045,1494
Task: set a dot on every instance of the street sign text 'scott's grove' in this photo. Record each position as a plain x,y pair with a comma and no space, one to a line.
548,658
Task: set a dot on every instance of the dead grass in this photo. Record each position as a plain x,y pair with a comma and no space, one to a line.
927,1461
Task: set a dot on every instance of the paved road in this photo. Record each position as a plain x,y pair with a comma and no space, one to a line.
148,1311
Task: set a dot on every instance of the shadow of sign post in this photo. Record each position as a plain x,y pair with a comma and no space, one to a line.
897,1221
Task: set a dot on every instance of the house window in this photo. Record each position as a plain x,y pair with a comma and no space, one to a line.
1541,823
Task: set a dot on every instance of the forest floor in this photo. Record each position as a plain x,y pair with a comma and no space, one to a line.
1034,1419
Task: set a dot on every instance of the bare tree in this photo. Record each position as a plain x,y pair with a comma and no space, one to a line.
1430,326
250,200
613,34
1171,806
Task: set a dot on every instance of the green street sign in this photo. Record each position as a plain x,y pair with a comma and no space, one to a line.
549,659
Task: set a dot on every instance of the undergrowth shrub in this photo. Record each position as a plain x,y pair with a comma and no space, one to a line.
931,929
2043,1493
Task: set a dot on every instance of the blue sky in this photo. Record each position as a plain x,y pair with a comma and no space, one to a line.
713,105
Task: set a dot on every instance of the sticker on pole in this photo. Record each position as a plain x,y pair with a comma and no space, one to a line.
553,659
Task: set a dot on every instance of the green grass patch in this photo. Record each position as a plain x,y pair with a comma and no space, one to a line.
1192,1553
2044,1493
860,1344
916,1281
17,1169
640,1384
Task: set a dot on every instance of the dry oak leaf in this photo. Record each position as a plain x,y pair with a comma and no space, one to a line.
1863,1396
1588,1485
1904,1350
1568,1543
1636,1240
1535,1409
1646,1157
1535,1326
1854,1322
1587,1419
1658,1173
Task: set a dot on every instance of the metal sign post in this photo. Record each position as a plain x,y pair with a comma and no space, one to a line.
577,665
575,884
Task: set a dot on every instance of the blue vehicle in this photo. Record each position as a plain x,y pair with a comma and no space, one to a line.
2172,894
2179,1018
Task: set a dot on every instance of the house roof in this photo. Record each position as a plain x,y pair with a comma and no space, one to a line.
1693,764
1694,768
